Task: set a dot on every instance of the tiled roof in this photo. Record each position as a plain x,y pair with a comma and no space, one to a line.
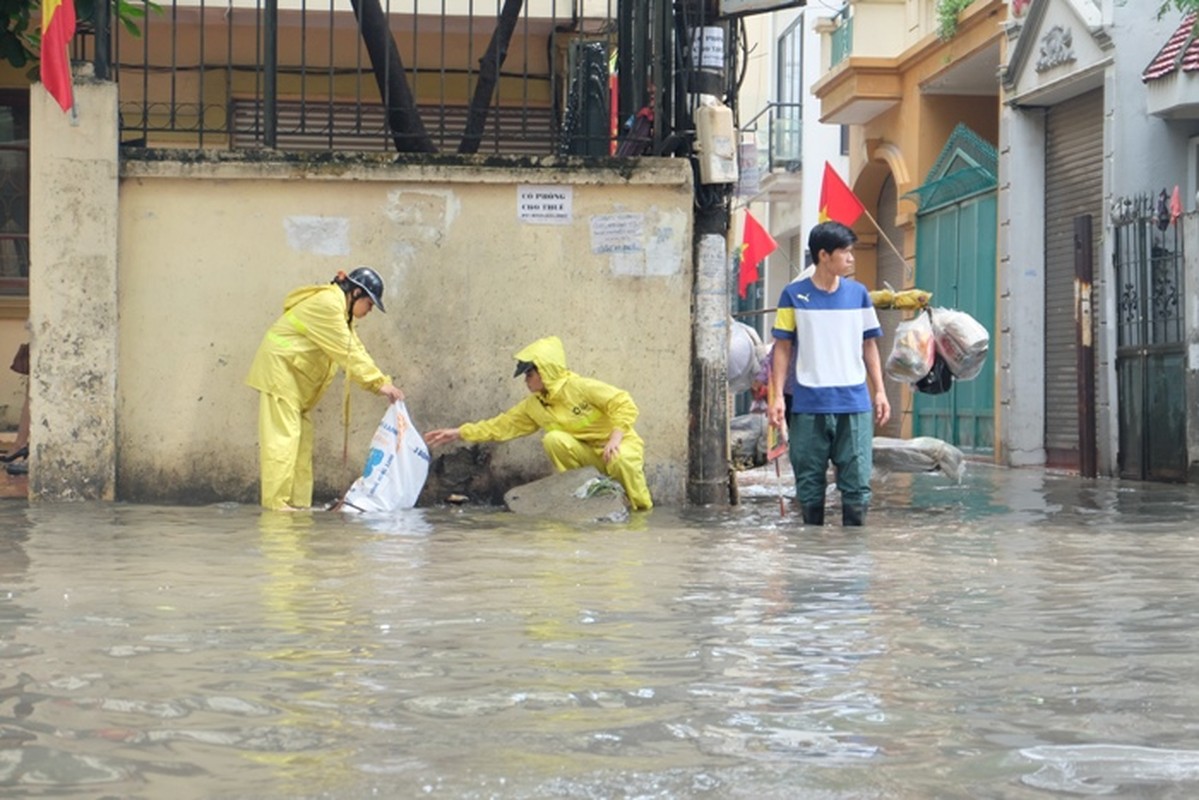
1182,48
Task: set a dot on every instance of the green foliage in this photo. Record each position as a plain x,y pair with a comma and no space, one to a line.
17,32
21,35
1185,6
947,16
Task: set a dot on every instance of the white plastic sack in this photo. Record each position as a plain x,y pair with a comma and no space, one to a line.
914,350
921,454
396,467
962,341
746,354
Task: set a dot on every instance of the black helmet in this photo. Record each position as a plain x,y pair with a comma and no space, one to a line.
369,281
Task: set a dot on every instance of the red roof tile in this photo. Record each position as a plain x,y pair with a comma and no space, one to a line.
1181,48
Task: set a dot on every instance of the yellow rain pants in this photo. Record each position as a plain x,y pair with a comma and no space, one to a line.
285,453
567,452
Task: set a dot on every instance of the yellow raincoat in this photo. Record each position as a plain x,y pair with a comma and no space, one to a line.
578,415
295,364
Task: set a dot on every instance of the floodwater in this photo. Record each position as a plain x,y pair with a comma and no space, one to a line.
1021,635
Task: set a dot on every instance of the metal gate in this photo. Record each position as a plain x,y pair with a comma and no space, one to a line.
955,260
956,234
1150,352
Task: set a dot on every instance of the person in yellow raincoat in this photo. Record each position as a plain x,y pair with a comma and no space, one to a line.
587,422
296,362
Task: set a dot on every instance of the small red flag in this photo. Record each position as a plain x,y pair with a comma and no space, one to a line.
58,28
837,201
756,244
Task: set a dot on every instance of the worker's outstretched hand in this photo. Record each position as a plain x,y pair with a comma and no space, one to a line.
394,394
441,436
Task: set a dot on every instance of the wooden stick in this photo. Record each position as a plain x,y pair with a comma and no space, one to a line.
884,236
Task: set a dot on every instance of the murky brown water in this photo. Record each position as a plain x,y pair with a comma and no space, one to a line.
1018,636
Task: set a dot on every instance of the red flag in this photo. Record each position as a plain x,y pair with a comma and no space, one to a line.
837,201
58,28
756,244
1175,205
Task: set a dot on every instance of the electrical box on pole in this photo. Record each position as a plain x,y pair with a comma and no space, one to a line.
716,143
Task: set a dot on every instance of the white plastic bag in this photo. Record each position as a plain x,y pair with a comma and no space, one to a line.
746,354
913,353
922,454
396,467
962,341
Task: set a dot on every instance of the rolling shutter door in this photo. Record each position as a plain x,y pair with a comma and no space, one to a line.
1073,187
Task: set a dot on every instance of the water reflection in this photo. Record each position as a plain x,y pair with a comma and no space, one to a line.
1019,635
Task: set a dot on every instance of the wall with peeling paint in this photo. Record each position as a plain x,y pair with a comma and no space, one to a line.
209,244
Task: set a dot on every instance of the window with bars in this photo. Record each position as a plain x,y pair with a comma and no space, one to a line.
14,193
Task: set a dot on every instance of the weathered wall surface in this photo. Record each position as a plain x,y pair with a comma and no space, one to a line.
73,304
210,245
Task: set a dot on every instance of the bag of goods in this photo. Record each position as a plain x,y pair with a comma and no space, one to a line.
961,341
914,350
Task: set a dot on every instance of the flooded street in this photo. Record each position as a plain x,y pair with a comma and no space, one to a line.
1021,635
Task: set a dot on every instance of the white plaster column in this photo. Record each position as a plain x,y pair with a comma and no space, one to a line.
1020,353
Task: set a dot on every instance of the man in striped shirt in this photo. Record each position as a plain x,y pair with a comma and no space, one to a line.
830,323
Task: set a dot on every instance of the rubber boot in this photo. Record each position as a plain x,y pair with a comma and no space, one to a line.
853,516
813,514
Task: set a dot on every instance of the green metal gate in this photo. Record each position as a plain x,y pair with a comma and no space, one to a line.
1150,350
956,231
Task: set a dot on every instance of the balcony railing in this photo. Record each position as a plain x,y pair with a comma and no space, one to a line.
841,40
784,129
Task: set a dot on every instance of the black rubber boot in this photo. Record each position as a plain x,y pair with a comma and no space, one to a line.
813,514
853,516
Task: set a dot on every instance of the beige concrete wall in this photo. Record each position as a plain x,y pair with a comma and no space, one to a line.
210,245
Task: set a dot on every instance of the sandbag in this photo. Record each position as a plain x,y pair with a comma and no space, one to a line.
914,350
961,340
396,467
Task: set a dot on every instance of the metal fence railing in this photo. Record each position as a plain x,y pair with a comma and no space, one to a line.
513,77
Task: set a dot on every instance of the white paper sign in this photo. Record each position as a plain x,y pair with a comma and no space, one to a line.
544,205
617,233
708,44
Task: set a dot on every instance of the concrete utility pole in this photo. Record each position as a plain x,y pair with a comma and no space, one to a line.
709,476
708,471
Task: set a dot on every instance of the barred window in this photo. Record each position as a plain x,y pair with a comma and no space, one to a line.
14,193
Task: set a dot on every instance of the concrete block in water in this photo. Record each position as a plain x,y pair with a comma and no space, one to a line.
577,495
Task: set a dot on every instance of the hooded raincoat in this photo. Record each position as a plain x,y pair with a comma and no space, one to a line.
578,415
296,362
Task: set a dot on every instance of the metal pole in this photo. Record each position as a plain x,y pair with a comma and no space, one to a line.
270,88
103,55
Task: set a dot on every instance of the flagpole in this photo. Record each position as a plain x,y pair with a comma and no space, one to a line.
883,234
